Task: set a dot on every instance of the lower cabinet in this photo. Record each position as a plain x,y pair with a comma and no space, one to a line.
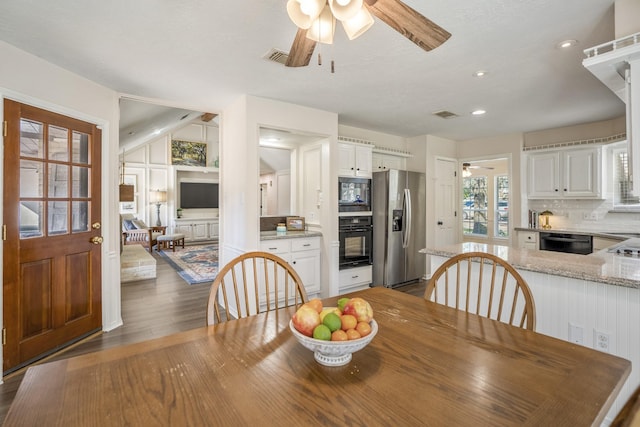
197,229
528,239
303,253
355,279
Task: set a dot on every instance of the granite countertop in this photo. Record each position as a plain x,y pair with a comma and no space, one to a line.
600,266
272,235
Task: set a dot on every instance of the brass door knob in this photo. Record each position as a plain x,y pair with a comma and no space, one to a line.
96,240
96,226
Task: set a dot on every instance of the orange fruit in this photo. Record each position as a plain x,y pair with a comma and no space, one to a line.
364,328
316,304
352,334
339,335
348,322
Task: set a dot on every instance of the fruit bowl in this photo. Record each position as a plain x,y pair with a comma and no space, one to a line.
334,353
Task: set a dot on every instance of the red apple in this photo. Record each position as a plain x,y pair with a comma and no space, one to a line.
305,320
359,308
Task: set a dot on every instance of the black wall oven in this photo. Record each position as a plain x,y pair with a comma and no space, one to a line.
356,241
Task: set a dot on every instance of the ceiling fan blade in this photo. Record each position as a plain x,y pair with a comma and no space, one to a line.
301,50
411,24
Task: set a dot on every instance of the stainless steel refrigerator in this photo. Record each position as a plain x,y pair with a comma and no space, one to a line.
399,227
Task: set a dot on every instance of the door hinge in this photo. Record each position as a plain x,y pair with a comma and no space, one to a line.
4,128
4,231
4,336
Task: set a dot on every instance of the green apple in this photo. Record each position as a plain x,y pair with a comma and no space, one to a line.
342,302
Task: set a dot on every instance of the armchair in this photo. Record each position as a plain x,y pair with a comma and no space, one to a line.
136,232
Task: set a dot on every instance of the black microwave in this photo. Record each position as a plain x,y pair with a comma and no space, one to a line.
354,194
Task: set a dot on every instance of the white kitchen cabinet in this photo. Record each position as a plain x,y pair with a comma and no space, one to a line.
354,160
303,254
194,230
570,174
528,239
382,162
355,279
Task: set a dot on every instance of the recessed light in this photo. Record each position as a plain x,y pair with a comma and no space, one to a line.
480,73
566,44
478,112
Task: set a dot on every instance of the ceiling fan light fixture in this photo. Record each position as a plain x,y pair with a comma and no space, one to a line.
466,173
304,12
323,27
345,9
359,24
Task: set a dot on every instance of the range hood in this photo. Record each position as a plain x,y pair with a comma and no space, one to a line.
617,65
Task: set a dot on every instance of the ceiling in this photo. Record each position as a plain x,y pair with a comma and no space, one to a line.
203,55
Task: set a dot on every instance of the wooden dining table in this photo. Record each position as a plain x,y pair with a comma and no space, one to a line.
427,365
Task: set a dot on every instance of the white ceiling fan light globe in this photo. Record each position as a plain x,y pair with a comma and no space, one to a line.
323,28
356,26
304,12
345,9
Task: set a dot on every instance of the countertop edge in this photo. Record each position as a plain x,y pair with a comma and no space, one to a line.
581,267
273,235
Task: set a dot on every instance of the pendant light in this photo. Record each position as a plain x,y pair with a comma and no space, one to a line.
126,190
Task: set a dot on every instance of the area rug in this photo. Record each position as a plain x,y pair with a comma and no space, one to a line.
195,264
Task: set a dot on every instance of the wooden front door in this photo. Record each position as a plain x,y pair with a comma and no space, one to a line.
52,236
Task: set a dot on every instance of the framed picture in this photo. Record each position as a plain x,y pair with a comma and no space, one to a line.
188,153
295,223
130,207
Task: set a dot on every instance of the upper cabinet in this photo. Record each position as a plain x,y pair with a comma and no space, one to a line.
383,162
354,160
573,174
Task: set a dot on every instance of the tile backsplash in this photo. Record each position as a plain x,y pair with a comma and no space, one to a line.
588,215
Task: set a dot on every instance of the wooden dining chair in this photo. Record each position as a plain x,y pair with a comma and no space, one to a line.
252,283
629,415
483,284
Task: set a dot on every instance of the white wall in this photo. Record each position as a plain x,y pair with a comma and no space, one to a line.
30,80
240,212
627,17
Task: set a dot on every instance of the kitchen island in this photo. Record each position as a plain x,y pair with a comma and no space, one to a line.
591,300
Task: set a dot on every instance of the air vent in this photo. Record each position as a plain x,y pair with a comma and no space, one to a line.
444,114
276,55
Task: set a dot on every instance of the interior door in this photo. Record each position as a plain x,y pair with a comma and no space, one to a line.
52,251
445,206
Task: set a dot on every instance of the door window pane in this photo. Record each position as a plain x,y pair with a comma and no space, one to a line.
58,181
31,178
502,208
474,210
80,148
57,217
80,182
31,139
80,216
30,219
58,144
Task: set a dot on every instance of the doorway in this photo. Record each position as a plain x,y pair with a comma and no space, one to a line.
486,202
52,251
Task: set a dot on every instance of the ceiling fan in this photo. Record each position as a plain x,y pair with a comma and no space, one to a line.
307,15
467,166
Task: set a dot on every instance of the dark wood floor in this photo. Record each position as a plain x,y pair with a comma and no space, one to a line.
150,309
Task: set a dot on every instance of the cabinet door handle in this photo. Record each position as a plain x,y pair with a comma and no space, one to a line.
354,277
294,262
272,249
307,244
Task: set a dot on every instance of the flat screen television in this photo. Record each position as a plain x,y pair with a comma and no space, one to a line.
198,195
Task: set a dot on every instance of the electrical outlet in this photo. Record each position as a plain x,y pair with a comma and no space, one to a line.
601,340
576,334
